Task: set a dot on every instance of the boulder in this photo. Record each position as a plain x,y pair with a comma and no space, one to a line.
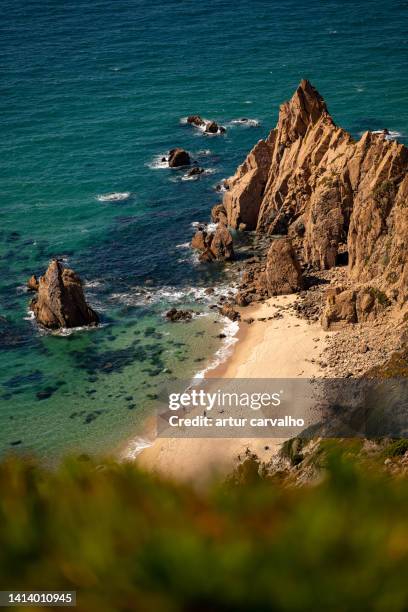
222,244
60,301
283,274
195,120
219,214
212,127
178,157
340,309
344,307
200,240
196,171
179,315
227,310
215,245
32,283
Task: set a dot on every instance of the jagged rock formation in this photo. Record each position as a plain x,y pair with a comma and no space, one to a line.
219,214
60,301
209,126
245,189
283,273
344,306
32,283
332,195
216,245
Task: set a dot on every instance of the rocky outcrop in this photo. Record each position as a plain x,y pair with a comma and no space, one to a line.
219,214
217,245
207,125
195,120
227,310
195,171
178,158
283,274
337,199
345,306
32,283
60,301
222,244
245,190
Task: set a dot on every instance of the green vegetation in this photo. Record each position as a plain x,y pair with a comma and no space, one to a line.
127,541
292,450
397,448
379,296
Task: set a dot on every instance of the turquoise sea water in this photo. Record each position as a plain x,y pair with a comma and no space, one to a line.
92,93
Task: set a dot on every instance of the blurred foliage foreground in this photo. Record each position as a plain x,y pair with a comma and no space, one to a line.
125,540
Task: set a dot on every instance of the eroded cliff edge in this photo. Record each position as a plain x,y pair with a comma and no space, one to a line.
336,199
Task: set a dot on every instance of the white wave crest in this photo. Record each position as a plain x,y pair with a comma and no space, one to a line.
246,122
230,330
115,196
157,162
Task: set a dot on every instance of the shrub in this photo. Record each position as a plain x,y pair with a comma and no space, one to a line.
127,541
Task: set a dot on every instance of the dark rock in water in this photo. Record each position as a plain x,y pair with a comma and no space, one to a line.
195,171
212,127
179,315
195,120
61,301
200,240
32,283
178,157
15,442
46,393
214,246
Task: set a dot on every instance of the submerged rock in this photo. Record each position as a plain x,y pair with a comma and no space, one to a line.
178,157
179,315
60,301
196,171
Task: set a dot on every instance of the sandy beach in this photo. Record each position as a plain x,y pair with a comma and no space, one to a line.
278,344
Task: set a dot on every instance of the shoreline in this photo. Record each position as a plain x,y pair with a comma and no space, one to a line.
296,355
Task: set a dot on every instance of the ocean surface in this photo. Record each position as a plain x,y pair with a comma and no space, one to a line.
92,96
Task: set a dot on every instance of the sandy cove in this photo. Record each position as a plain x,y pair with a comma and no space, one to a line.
284,347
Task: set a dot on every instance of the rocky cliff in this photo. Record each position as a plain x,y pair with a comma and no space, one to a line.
335,197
